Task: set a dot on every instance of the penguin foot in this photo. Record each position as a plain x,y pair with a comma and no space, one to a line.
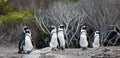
106,50
62,48
27,52
84,48
19,52
54,49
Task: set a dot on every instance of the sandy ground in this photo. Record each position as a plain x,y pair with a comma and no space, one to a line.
106,52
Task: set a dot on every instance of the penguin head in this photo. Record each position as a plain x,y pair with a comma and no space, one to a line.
83,27
53,29
97,32
61,26
25,28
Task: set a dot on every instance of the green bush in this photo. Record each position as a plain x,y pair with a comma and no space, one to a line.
11,23
5,8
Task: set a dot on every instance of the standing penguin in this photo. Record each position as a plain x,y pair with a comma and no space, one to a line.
53,43
83,38
96,43
61,37
22,40
27,47
25,44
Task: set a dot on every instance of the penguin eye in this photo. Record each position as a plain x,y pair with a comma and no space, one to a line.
61,26
84,28
53,28
26,28
27,32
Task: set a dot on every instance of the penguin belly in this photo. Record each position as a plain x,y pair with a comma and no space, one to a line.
53,42
28,44
83,40
61,39
96,43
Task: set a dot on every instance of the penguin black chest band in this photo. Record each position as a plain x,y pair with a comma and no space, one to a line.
52,33
60,30
95,35
83,31
29,36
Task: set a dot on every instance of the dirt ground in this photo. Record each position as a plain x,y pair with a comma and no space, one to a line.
7,51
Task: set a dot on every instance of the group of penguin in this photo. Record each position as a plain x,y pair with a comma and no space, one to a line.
82,42
83,39
57,39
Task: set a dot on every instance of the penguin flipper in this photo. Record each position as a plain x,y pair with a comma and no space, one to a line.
84,48
21,47
28,52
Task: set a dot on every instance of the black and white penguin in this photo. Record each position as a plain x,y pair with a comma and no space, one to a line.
22,40
61,37
53,42
83,38
27,47
96,43
25,44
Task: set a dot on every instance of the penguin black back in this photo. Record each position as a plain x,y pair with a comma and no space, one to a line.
21,43
22,40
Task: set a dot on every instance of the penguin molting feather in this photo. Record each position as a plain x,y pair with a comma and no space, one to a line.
96,43
53,42
83,38
61,37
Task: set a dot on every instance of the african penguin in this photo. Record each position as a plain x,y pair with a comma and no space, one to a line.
61,37
96,43
27,47
22,39
53,42
83,38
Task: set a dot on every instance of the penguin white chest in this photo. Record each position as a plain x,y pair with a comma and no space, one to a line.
28,44
53,42
83,40
96,41
61,38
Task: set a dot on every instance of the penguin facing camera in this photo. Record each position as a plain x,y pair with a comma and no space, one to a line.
53,42
83,38
25,45
96,43
61,37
